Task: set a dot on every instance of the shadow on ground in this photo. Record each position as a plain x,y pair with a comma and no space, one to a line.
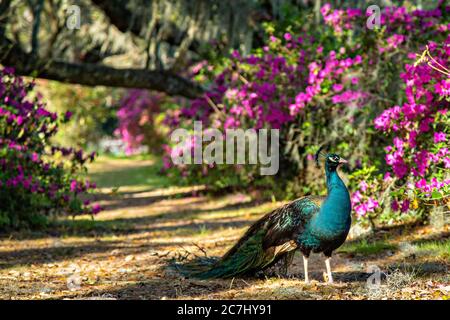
148,223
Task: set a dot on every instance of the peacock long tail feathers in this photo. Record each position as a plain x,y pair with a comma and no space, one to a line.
245,257
194,267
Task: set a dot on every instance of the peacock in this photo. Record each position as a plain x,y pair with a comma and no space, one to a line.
308,224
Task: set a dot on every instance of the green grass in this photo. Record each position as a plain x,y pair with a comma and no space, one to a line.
129,176
439,249
82,226
203,230
365,247
136,157
139,176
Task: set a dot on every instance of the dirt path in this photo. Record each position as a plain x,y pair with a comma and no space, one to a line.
124,252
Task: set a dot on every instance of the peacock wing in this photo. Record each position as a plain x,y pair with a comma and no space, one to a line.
287,222
266,240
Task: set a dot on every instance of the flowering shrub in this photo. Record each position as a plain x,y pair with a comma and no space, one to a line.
418,157
366,184
397,21
138,120
93,118
277,87
35,182
335,84
142,120
317,86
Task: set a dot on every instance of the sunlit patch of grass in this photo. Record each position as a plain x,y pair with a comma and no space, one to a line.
143,156
439,249
365,247
203,230
113,172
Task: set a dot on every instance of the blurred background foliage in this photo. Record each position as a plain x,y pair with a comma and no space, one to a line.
93,112
207,43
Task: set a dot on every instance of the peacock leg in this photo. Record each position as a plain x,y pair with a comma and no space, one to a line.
305,265
330,276
287,261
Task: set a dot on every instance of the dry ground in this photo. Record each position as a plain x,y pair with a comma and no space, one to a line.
124,252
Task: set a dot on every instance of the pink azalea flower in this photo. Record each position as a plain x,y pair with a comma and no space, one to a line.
34,157
356,197
73,185
338,87
439,137
363,186
96,208
446,162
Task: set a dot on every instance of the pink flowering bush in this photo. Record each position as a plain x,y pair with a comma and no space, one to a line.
138,120
367,185
418,157
35,182
293,82
318,85
334,84
398,22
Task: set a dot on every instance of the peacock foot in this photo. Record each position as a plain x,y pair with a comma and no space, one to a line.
328,278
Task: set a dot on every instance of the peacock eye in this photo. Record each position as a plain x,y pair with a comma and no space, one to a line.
334,159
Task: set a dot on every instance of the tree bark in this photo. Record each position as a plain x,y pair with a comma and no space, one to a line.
88,74
120,15
4,7
36,26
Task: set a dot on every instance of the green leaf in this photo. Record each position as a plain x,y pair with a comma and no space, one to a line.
436,195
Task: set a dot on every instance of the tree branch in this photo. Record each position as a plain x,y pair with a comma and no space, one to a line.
150,31
36,25
121,16
88,74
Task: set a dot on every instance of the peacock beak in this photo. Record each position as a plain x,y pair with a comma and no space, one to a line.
342,161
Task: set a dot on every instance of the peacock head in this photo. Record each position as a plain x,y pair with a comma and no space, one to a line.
332,160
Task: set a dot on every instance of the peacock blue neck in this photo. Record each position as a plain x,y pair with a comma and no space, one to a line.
335,211
333,179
